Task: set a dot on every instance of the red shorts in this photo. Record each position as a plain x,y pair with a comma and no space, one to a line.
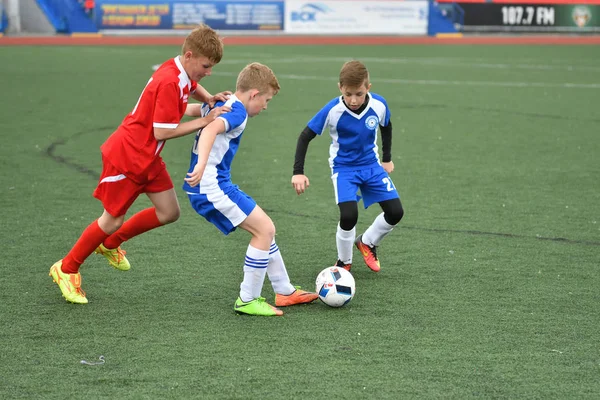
117,192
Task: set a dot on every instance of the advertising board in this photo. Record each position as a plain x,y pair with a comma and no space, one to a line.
356,17
220,15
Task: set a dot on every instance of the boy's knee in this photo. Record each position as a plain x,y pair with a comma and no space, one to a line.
169,216
175,215
394,215
270,230
110,224
348,215
347,223
266,230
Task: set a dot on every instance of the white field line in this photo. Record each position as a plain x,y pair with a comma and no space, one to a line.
440,82
432,61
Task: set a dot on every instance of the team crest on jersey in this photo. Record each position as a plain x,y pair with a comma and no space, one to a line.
371,122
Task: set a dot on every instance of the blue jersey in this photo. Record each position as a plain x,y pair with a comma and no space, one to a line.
217,174
353,136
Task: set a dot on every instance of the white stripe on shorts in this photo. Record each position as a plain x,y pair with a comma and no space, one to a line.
228,208
335,188
114,178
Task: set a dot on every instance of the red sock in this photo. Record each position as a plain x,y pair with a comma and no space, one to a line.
89,240
139,223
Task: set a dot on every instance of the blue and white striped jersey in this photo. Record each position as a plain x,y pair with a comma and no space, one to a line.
353,136
217,174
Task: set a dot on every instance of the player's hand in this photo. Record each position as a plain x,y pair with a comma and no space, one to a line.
193,178
388,166
215,112
300,183
222,96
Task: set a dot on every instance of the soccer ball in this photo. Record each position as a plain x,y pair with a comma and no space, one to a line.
335,286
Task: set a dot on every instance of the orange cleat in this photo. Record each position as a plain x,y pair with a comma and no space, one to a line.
369,254
297,297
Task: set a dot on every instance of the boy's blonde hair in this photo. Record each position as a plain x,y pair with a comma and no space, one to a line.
257,76
354,74
204,41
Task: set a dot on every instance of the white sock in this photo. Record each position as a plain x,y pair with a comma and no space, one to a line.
255,269
277,273
377,231
344,241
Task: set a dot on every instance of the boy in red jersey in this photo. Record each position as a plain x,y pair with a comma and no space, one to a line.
131,159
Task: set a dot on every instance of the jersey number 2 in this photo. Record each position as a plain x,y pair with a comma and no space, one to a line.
388,182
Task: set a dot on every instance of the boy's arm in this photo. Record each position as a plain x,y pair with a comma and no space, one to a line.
299,181
386,142
301,148
201,94
386,147
205,143
185,128
193,110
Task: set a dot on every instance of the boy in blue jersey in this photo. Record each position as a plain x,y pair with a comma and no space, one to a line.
216,198
352,120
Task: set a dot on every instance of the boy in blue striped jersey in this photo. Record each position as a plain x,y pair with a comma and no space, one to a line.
219,201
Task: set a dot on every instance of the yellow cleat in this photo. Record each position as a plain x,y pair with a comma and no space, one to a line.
69,284
116,257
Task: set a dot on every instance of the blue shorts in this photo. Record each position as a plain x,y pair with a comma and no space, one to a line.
225,209
374,183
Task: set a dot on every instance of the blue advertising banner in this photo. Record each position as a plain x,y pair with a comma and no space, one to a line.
218,14
3,19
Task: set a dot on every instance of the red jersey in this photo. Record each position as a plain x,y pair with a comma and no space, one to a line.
132,148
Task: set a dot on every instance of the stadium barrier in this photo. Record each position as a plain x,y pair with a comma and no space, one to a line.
356,17
3,19
67,16
325,17
530,16
275,17
444,19
297,17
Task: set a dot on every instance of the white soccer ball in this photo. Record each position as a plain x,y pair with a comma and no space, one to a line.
335,286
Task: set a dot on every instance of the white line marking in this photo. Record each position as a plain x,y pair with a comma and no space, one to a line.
435,61
439,82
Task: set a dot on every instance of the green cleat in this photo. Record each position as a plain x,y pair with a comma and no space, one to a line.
116,257
257,306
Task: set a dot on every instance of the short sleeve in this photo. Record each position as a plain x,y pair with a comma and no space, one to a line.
385,118
235,117
166,111
318,123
